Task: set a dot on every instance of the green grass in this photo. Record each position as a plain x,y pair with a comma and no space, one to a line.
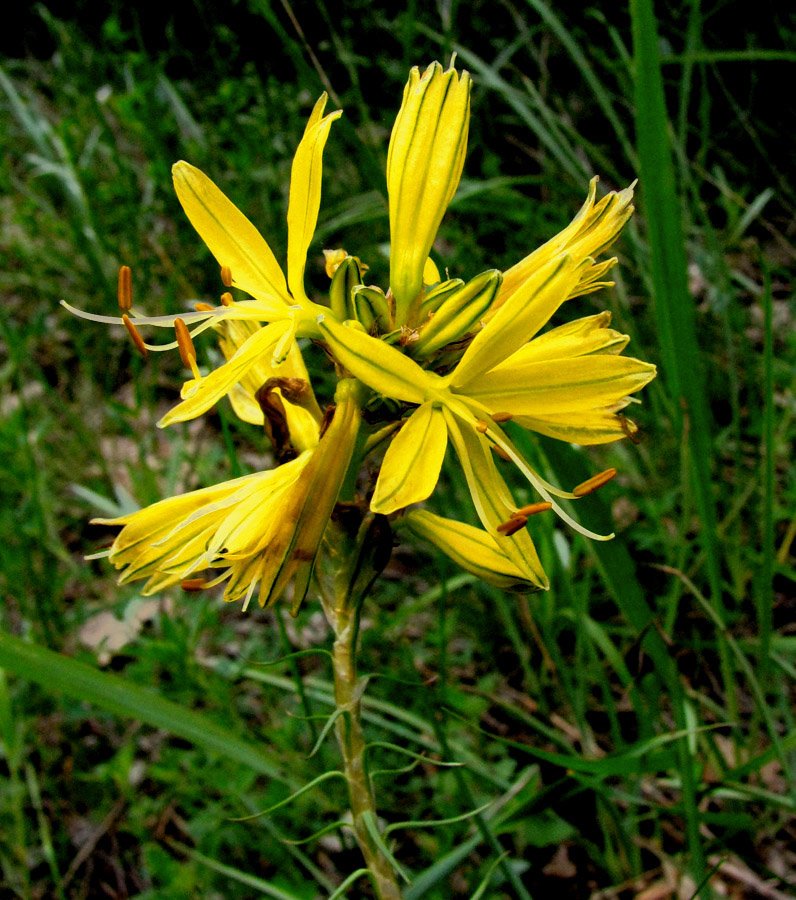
635,724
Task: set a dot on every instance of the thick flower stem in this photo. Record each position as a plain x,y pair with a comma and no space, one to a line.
348,691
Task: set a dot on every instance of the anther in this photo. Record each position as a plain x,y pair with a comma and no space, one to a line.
203,307
135,335
226,298
186,347
125,293
629,429
512,525
533,509
502,417
226,276
191,585
499,451
596,481
481,426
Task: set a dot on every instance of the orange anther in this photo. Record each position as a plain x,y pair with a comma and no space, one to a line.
596,481
134,334
502,417
203,307
499,451
533,509
191,585
226,298
512,525
481,426
226,276
630,428
185,344
125,293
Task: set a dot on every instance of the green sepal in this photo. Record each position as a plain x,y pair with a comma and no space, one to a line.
459,313
371,307
437,296
345,279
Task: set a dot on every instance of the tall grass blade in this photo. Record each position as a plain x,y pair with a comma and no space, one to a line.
111,692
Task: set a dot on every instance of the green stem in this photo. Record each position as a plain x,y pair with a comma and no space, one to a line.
343,616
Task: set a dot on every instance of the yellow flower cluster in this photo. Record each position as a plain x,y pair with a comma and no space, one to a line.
452,360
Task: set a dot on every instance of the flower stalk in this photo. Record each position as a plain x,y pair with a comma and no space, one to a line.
358,567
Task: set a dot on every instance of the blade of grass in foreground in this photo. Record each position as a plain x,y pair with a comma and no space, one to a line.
121,698
675,314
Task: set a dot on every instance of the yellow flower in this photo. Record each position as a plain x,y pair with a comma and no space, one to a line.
262,530
247,263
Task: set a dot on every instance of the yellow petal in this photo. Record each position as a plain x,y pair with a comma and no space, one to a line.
431,272
380,366
229,235
474,550
595,227
201,393
595,426
305,195
561,386
583,337
424,165
293,544
518,320
412,463
492,498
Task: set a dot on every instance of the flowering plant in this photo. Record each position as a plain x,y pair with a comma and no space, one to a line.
428,361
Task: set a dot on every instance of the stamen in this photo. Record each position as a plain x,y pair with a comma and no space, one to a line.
481,426
596,481
512,525
629,431
499,451
533,509
186,347
192,585
125,293
203,307
226,276
226,298
502,417
135,335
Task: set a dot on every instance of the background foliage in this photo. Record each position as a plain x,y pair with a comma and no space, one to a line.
632,729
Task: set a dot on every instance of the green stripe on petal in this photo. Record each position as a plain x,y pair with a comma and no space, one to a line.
229,235
474,550
305,194
518,320
378,365
561,386
412,463
491,497
424,165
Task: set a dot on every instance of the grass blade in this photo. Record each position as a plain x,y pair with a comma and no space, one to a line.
120,697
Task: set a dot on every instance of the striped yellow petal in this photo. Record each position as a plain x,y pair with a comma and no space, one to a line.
492,498
561,386
199,394
412,463
474,550
595,227
424,165
583,337
305,194
380,366
518,320
229,235
594,426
